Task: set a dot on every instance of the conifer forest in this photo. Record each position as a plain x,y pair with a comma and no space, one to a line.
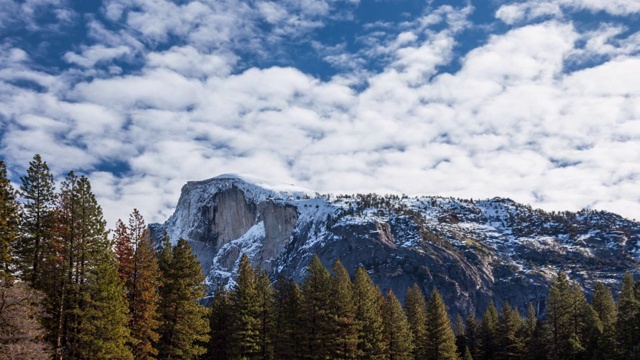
72,289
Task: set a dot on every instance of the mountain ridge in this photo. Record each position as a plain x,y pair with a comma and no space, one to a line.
473,251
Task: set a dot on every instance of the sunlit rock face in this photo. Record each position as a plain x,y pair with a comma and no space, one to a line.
471,251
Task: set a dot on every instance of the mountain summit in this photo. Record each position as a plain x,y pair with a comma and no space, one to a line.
472,251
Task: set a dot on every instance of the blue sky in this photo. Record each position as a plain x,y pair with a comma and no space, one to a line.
534,100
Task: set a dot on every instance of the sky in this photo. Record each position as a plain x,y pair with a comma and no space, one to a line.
534,100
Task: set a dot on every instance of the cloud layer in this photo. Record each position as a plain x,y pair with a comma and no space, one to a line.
543,111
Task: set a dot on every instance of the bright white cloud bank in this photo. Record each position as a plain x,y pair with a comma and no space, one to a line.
511,122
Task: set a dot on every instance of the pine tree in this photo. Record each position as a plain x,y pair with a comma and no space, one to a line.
416,310
9,226
38,191
487,334
316,290
460,332
184,324
345,335
86,311
441,342
220,324
529,332
628,333
289,320
245,315
397,333
606,309
266,313
510,341
466,354
103,331
471,333
138,269
368,317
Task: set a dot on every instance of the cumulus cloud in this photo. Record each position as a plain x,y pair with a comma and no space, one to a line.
511,121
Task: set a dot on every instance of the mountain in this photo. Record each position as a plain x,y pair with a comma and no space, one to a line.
472,251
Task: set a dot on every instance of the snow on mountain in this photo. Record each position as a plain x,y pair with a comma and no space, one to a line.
472,251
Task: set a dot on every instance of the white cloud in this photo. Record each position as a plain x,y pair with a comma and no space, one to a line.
92,55
511,122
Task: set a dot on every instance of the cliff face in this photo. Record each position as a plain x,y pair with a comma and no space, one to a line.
471,251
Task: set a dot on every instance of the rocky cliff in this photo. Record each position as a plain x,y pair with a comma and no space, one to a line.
472,251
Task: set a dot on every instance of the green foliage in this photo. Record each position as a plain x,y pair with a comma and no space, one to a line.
103,331
368,317
487,334
510,334
220,325
397,332
605,307
9,225
38,191
441,342
416,310
345,336
245,314
266,316
289,320
628,331
317,293
184,325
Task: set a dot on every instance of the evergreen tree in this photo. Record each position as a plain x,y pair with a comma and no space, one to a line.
9,226
441,342
245,315
529,332
510,341
466,355
103,331
397,333
138,269
605,307
628,333
416,310
316,290
460,331
345,335
289,320
38,191
472,330
184,324
487,334
368,317
266,313
220,324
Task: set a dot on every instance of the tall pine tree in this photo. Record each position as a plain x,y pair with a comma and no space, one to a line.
138,269
397,332
368,317
266,314
316,290
416,310
441,342
510,334
245,315
289,320
184,323
9,227
220,325
607,312
38,191
487,334
628,332
345,335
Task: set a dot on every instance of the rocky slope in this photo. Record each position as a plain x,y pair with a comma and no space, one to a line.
472,251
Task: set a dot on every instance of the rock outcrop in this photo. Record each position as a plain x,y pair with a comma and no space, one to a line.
471,251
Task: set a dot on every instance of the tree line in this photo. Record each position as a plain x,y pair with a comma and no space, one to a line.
331,315
69,290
